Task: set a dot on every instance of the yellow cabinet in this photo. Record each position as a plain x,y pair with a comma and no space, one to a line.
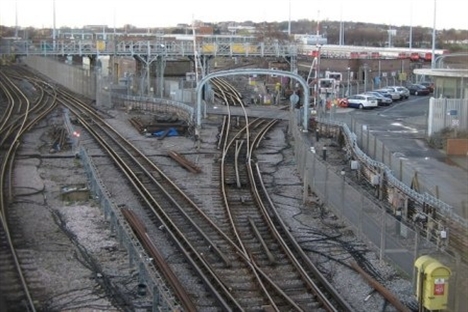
432,283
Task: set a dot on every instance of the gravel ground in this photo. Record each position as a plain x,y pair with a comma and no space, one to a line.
79,260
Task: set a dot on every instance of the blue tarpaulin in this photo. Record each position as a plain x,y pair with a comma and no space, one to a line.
169,132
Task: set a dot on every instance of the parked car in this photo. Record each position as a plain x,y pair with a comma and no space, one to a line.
417,89
362,101
395,95
384,93
428,85
404,92
381,99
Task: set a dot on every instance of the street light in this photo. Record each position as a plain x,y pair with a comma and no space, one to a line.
349,77
317,77
433,36
365,77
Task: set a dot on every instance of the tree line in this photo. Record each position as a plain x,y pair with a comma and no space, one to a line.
355,33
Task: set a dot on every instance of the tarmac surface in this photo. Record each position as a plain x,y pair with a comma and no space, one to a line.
401,128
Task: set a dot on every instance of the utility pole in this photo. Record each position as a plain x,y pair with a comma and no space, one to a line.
54,31
433,37
341,39
195,54
411,27
16,19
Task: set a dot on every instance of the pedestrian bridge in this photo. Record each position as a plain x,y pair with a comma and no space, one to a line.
147,48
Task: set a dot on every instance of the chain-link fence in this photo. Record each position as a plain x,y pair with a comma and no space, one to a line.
394,239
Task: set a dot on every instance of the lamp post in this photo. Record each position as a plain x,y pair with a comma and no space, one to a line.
317,77
365,77
433,37
349,77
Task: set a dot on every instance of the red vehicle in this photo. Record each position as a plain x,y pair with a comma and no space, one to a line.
314,53
427,57
428,85
414,57
403,55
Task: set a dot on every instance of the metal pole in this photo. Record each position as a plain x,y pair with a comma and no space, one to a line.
161,77
54,32
411,27
317,74
16,20
347,88
433,37
365,77
379,68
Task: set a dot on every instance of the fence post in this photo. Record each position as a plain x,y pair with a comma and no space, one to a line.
383,153
415,256
361,209
458,280
313,170
400,170
367,147
375,147
326,185
382,235
306,183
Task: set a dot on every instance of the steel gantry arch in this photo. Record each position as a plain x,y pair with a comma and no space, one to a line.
254,71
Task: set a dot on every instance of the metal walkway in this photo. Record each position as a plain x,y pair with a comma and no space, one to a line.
145,48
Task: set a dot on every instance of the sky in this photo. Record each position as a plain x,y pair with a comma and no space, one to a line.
167,13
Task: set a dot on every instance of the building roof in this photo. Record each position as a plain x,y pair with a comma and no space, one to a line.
444,72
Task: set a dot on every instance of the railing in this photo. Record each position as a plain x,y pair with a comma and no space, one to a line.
173,48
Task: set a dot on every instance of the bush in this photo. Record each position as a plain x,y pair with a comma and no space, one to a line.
439,139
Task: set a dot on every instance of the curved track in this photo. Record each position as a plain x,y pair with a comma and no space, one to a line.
20,115
246,259
288,279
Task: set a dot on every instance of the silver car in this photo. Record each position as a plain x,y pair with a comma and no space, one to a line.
362,101
395,95
404,93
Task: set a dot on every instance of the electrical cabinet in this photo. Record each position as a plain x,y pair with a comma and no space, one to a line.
432,283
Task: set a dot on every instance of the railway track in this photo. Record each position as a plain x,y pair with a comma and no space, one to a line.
285,281
16,264
245,257
233,278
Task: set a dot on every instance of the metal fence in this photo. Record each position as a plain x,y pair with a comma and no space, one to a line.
161,298
394,241
402,170
77,79
447,113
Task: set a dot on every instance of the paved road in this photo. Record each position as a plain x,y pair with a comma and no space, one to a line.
402,128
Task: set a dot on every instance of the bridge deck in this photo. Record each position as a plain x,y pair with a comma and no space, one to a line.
145,48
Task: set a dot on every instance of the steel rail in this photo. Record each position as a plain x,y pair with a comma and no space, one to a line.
16,128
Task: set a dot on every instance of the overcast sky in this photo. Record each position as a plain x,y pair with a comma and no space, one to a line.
157,13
